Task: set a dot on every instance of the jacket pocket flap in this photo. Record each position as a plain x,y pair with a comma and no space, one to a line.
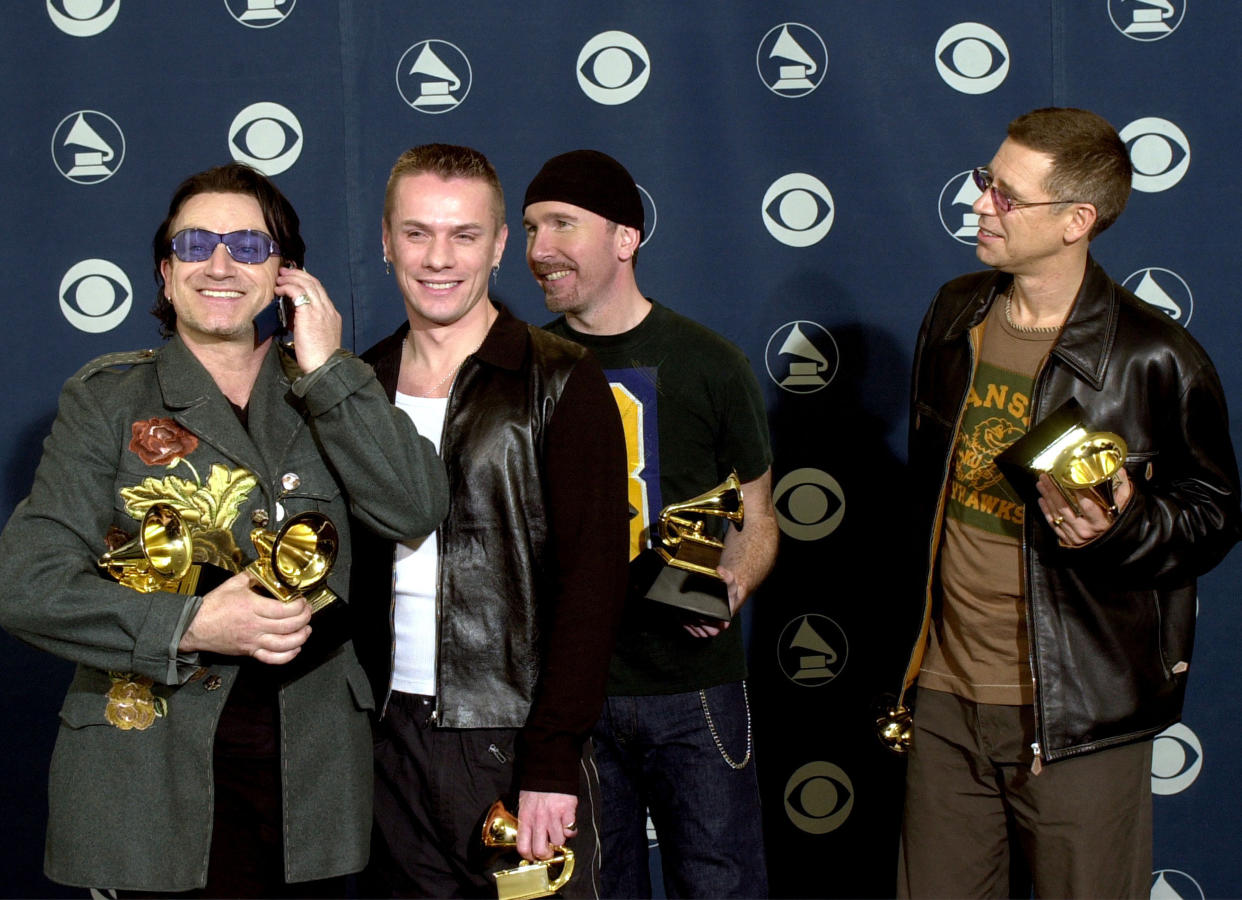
81,709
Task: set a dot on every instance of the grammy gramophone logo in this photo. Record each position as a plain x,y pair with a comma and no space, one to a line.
812,650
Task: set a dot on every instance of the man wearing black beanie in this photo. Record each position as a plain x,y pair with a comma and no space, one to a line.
674,738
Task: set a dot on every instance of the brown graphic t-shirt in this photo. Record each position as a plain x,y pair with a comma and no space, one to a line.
978,647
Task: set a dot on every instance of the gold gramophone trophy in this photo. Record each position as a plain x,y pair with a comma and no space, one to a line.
158,558
690,581
1085,465
683,542
1089,467
529,879
894,725
297,559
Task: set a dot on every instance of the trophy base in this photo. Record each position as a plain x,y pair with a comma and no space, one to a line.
691,592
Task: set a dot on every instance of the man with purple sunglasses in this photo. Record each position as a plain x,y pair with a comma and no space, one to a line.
209,743
1057,626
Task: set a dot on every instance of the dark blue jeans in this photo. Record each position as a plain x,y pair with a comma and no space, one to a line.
686,758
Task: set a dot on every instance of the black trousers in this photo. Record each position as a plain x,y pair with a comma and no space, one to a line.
433,787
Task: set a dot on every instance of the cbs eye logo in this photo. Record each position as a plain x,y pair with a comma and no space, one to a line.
613,67
819,797
82,18
972,58
267,136
809,504
1176,760
798,210
1163,289
1159,152
95,296
650,214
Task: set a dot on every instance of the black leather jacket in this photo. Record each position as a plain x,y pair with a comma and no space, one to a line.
532,555
1112,623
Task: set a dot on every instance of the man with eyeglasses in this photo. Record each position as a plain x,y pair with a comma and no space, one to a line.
1057,630
209,742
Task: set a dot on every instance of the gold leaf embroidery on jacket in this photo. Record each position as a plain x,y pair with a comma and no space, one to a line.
209,510
131,704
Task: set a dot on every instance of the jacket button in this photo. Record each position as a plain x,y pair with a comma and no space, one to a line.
290,481
259,517
212,683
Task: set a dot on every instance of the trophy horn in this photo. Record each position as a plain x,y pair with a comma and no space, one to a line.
530,879
683,541
1090,467
158,558
894,726
297,558
500,827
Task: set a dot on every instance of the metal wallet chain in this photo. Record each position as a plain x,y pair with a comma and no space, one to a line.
711,726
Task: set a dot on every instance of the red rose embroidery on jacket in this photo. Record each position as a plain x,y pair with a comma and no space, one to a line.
161,442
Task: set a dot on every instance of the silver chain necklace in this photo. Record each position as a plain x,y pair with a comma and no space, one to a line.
451,372
1028,329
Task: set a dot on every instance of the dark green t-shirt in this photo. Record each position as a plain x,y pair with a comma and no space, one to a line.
692,412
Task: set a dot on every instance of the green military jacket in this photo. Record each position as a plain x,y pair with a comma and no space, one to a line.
131,794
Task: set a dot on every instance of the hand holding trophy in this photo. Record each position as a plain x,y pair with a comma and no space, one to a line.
690,580
1085,466
297,559
530,879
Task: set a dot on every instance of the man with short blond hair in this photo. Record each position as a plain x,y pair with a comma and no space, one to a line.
489,649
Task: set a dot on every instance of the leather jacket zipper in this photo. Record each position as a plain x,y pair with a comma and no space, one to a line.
1037,764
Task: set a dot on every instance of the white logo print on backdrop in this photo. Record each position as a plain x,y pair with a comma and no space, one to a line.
798,209
82,18
95,295
260,13
613,67
88,146
267,136
434,76
1146,20
957,214
801,357
972,58
1163,289
1159,152
792,59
